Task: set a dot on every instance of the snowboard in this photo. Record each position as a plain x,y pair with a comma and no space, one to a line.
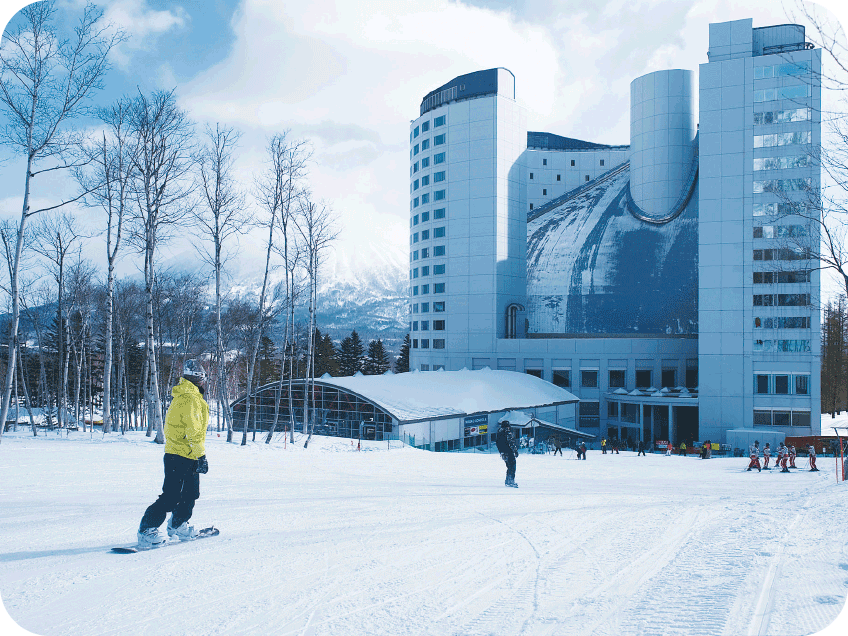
211,531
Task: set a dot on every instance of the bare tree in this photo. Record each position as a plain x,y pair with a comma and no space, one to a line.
315,223
163,161
45,82
109,183
222,217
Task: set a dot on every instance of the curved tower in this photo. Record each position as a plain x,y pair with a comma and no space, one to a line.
662,130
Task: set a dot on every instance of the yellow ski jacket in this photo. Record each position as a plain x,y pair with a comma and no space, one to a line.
186,422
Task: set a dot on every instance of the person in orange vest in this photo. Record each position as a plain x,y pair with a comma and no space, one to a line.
668,449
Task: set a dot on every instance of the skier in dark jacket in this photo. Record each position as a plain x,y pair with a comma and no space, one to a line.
508,449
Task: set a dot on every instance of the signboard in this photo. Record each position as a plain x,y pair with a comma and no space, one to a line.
662,443
476,425
476,420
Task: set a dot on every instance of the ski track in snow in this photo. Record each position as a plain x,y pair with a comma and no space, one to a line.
331,542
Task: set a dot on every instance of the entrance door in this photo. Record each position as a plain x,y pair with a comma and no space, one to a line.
686,419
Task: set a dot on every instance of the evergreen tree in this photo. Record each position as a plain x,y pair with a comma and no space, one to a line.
326,360
402,361
351,355
377,362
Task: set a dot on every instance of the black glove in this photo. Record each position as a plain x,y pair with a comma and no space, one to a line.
202,465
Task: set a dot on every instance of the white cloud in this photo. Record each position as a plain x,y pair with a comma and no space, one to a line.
143,24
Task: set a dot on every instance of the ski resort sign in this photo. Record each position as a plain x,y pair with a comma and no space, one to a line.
476,425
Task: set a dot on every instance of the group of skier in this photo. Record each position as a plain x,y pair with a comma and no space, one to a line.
784,457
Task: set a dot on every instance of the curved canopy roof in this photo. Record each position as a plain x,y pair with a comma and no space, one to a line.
419,396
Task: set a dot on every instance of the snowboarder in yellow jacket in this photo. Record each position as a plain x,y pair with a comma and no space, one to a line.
185,459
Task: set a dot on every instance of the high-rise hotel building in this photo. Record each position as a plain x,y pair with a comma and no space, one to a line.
670,283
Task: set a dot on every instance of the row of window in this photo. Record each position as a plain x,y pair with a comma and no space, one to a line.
425,126
795,138
425,180
438,213
783,346
782,163
783,116
791,69
545,162
617,378
438,307
438,195
438,343
782,185
781,300
425,271
438,250
438,232
783,254
767,417
778,209
781,384
781,231
438,140
438,158
438,325
438,288
797,91
782,322
792,276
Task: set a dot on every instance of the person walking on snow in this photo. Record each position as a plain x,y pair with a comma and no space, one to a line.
641,448
754,451
668,449
782,457
508,449
185,459
603,446
582,452
792,456
812,450
766,456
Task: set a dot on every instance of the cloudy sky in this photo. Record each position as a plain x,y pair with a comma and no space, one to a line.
350,75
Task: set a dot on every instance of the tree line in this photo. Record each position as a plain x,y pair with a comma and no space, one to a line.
81,338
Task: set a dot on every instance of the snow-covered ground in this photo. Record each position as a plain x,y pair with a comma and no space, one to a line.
333,541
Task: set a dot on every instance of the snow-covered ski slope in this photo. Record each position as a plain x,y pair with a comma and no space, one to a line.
331,541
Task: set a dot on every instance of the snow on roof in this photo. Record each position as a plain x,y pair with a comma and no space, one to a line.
420,396
521,419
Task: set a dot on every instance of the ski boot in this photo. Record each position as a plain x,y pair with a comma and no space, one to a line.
150,538
184,531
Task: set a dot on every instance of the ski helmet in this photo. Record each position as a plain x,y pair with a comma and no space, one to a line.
192,369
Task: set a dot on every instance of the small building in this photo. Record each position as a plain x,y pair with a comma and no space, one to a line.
441,411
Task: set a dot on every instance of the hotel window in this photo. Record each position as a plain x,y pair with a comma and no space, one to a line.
425,325
415,185
544,162
438,325
781,384
587,177
415,343
415,220
439,121
589,379
415,273
425,144
438,288
425,252
415,325
590,414
439,343
438,195
439,307
425,308
438,269
558,177
415,149
425,289
415,132
425,162
531,206
691,377
425,180
425,344
612,410
439,158
438,140
425,271
415,255
562,378
544,191
425,198
425,235
415,290
415,202
439,250
531,175
761,384
415,167
602,162
668,378
414,308
802,385
616,378
415,237
438,176
643,378
572,162
425,126
425,216
439,232
438,213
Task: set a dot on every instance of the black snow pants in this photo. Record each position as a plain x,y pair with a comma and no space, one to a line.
179,492
509,458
